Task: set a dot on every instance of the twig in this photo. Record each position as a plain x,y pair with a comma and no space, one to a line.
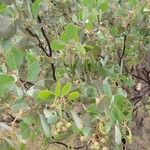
48,44
138,77
123,51
46,38
43,49
40,43
49,47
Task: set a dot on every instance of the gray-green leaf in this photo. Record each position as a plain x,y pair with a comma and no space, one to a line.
33,72
45,126
14,58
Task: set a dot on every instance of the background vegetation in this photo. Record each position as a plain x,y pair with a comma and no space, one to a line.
73,73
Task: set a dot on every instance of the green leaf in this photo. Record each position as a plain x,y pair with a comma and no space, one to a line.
103,104
70,32
5,82
114,30
117,115
25,130
3,7
90,91
66,89
14,58
45,95
73,96
92,110
94,16
33,71
36,7
104,6
133,2
128,81
122,109
86,131
106,87
58,44
58,89
30,119
45,126
7,27
80,48
20,104
51,116
88,3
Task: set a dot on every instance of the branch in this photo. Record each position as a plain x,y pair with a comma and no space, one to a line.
46,38
43,49
123,51
138,77
48,44
40,43
49,47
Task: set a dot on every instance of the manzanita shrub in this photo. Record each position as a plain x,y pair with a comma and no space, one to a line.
63,71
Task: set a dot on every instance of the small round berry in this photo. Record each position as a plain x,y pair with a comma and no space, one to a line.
59,124
105,148
64,129
58,130
103,140
93,135
55,133
92,147
82,138
68,125
106,137
96,145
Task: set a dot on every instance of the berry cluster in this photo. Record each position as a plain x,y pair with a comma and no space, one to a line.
60,127
99,143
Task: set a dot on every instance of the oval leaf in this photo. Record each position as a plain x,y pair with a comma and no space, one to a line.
51,116
58,89
66,89
45,95
73,96
77,120
58,44
33,72
45,126
14,58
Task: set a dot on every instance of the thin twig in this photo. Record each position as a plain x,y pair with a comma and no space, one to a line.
49,47
138,77
39,41
123,50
